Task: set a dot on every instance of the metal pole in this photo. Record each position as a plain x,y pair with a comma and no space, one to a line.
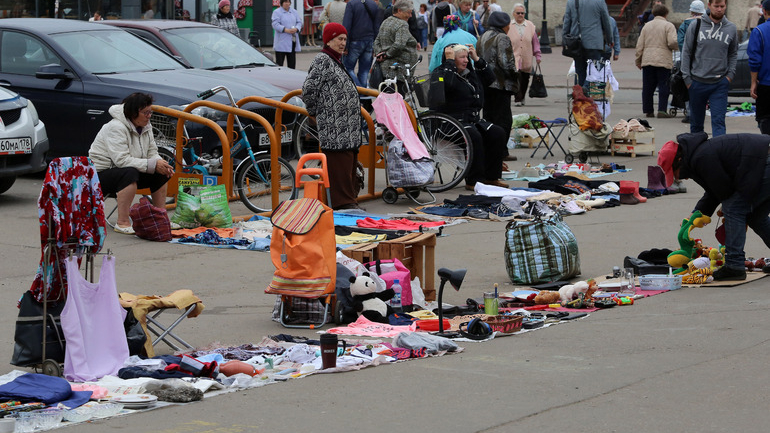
545,44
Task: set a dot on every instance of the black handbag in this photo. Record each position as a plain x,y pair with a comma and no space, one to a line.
537,88
135,335
572,46
28,338
376,76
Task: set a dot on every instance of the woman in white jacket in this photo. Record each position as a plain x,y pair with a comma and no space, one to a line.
126,157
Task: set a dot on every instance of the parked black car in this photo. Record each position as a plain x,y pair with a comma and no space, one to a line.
74,71
741,85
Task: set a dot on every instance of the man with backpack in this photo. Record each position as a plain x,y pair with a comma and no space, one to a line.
362,21
708,42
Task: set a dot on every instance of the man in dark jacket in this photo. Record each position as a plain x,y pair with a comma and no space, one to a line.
734,170
362,21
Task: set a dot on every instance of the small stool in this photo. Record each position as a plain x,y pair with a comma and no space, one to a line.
558,124
166,331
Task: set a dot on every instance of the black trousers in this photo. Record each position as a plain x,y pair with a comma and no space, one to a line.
291,59
523,85
763,108
489,148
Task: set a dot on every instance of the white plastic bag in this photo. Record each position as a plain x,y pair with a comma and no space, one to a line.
358,269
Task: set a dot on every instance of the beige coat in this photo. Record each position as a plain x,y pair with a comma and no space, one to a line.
656,44
524,46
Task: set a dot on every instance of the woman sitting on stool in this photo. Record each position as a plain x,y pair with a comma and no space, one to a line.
126,157
464,98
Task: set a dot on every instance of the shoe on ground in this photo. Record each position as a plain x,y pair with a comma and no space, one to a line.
663,115
517,104
680,186
124,230
470,187
497,182
649,115
729,274
766,269
175,226
686,119
510,158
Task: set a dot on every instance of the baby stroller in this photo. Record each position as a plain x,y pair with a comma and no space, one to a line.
407,162
679,93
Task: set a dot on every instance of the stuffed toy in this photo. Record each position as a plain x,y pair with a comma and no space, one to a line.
688,249
367,302
570,292
545,297
755,265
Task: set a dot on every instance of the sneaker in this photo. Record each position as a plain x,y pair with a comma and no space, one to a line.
663,115
510,158
680,186
124,230
570,208
766,269
517,104
686,119
175,226
729,274
649,114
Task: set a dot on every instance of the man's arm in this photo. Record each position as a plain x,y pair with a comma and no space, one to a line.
732,57
686,49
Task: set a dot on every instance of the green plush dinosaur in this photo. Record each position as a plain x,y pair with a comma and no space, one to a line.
687,249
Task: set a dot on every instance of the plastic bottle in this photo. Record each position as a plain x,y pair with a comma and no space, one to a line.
395,301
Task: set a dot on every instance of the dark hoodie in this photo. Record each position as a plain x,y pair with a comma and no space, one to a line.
723,165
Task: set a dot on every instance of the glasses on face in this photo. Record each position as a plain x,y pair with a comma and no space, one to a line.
146,113
519,13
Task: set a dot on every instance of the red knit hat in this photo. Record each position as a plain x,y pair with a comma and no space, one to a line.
666,160
332,30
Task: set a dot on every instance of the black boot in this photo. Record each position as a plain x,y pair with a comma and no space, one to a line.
729,274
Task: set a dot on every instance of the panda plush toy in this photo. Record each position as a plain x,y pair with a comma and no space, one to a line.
367,302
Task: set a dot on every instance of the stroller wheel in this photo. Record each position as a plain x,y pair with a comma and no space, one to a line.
413,192
583,157
389,195
672,111
51,368
569,158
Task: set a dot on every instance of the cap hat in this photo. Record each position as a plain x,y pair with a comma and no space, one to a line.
666,160
223,3
332,30
698,7
499,19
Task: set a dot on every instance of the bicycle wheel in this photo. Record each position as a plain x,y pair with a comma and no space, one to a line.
450,148
306,137
253,183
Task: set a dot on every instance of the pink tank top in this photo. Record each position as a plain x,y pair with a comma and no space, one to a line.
92,322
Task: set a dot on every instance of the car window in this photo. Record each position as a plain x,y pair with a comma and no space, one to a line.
114,52
147,36
23,54
214,48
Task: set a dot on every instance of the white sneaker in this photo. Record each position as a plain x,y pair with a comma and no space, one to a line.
124,230
175,226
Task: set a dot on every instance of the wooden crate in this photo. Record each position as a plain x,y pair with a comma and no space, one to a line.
634,143
366,252
417,252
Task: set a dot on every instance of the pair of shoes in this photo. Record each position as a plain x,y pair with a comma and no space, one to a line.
123,230
517,104
470,187
686,119
629,193
649,114
175,226
510,158
729,274
497,182
664,115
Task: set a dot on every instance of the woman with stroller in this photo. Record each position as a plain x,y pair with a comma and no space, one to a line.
463,98
654,56
331,96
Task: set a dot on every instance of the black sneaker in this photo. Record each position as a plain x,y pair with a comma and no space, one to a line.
729,274
766,269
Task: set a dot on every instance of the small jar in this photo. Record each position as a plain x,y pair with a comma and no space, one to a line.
490,304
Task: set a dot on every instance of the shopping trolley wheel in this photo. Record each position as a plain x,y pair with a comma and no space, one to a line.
413,192
672,111
583,157
389,195
51,368
338,313
569,158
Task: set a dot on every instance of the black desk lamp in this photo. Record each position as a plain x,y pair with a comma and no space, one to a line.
455,278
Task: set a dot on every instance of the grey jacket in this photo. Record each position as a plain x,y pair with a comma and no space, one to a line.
496,48
716,42
331,96
595,27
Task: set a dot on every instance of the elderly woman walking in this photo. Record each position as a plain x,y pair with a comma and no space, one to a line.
224,18
287,23
654,56
394,43
331,96
526,46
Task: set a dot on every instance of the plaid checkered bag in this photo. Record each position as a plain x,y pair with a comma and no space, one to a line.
540,251
150,222
405,172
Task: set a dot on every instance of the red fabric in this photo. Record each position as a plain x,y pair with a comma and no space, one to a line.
400,224
585,111
150,222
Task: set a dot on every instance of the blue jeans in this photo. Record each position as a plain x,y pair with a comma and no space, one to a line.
715,94
424,37
738,212
359,52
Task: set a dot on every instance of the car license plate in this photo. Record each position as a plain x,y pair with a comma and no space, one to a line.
264,139
14,146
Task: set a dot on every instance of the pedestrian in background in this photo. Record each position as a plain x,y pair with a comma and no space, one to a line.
422,24
758,52
485,10
526,46
362,21
469,20
594,28
331,96
394,42
334,12
752,19
287,24
709,73
612,48
654,56
309,27
697,10
225,19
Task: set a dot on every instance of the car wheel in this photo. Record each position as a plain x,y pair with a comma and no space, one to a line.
6,183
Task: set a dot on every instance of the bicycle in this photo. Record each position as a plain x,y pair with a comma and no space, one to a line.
252,177
448,144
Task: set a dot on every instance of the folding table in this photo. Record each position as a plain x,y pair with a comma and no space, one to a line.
555,127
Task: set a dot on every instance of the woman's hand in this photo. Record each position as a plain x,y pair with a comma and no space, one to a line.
164,168
472,53
449,53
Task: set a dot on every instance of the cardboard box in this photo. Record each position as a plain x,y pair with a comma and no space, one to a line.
417,252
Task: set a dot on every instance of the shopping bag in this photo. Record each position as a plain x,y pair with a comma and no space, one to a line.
205,206
537,88
28,338
540,251
150,222
391,270
572,46
376,76
405,172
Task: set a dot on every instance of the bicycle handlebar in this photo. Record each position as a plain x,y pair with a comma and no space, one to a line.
211,92
206,95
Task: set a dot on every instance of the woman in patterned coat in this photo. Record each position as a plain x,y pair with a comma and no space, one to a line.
394,43
331,96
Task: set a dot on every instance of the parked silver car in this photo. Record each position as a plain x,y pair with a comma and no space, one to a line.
23,140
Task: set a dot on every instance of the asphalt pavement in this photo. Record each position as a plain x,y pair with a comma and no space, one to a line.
689,360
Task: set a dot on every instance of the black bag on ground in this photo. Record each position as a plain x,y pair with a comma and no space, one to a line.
537,88
28,338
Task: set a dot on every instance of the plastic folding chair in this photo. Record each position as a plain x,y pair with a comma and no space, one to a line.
554,127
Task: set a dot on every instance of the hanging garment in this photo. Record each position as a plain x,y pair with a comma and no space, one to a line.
391,112
71,206
92,321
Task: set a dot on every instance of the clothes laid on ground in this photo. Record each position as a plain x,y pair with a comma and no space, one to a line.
366,327
210,237
43,388
399,224
389,234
